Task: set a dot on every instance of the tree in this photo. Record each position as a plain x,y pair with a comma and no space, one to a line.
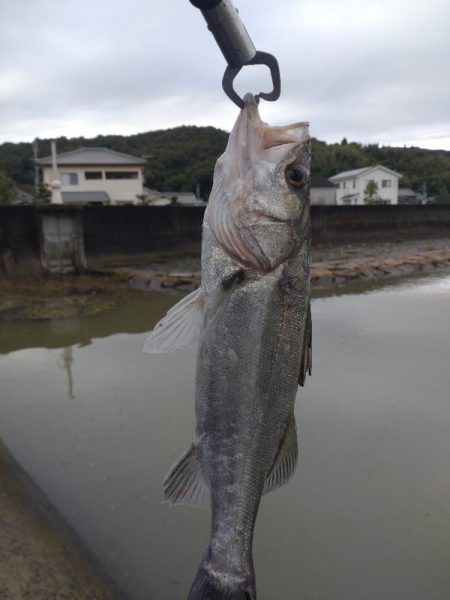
144,199
7,189
442,195
371,192
44,194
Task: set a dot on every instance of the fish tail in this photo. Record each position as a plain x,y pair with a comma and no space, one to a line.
219,586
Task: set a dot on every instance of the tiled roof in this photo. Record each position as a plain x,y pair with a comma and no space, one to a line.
350,174
357,172
92,156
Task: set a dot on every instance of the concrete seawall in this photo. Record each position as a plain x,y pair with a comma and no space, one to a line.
126,234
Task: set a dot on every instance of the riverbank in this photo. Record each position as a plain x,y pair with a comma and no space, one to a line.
40,558
330,265
88,295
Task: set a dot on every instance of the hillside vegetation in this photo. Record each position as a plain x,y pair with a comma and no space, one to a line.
181,158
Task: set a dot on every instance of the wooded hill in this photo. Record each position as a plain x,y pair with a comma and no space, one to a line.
183,157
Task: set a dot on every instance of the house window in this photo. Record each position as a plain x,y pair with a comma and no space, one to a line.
121,174
93,175
69,178
386,183
354,183
343,184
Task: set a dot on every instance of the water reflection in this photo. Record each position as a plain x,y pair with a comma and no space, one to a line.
65,362
137,316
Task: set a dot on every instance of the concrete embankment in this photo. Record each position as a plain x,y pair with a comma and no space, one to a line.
40,558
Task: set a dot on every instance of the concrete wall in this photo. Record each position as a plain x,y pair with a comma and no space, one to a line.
112,234
125,234
19,242
336,224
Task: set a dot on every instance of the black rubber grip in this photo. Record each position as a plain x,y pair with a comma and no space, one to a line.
205,4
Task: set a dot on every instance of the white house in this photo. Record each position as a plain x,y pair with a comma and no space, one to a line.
322,191
352,185
95,175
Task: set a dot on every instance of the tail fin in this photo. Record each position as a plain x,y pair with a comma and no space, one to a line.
208,586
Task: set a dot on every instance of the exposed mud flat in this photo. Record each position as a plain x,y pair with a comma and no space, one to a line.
67,296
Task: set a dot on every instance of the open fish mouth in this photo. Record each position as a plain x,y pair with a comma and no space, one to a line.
250,192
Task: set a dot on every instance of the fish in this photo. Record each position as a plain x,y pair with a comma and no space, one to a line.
252,320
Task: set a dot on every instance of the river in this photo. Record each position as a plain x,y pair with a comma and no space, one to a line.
97,423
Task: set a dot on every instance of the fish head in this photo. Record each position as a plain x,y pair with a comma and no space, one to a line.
259,202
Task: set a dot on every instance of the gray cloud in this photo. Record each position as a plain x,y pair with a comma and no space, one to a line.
370,71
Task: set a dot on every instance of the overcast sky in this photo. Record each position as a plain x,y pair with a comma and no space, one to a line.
369,70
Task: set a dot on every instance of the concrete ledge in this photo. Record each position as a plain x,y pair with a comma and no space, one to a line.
40,557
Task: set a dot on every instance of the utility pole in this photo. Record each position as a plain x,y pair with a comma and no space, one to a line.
36,168
424,192
55,184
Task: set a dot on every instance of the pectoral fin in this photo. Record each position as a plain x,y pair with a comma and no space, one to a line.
180,327
286,460
186,483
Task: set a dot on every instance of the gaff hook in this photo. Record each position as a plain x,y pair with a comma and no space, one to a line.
236,46
260,58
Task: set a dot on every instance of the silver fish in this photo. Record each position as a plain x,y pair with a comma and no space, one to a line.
252,319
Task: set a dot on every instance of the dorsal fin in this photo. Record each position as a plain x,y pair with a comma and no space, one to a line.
306,361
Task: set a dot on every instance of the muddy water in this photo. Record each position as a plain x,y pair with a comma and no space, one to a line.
97,423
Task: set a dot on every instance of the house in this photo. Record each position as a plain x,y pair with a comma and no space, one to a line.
322,191
352,185
94,175
409,196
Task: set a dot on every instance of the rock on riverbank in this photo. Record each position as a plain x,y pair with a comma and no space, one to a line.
330,265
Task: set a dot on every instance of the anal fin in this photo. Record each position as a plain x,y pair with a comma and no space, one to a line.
186,483
286,460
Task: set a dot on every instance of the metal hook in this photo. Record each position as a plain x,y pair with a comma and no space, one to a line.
260,58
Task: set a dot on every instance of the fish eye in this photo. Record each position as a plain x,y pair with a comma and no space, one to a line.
296,176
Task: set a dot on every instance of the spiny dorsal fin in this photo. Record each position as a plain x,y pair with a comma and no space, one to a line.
286,461
186,483
180,327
